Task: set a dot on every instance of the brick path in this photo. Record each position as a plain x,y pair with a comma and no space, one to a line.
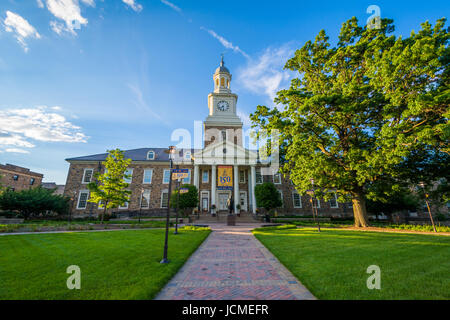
233,265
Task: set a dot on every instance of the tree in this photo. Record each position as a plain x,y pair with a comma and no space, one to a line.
399,201
110,189
358,110
187,200
34,201
267,196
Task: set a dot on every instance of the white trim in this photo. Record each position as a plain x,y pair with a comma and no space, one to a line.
79,198
245,198
151,176
151,158
202,192
260,174
293,200
84,175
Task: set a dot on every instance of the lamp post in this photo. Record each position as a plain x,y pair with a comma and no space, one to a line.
71,207
140,205
421,184
170,151
315,209
178,203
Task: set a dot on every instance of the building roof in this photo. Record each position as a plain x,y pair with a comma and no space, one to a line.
19,170
222,67
134,155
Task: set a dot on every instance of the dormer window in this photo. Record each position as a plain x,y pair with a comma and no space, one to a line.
151,155
187,155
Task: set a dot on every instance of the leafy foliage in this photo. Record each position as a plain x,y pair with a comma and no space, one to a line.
110,189
187,200
34,201
361,114
267,196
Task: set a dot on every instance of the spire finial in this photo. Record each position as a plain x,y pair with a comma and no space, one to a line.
221,62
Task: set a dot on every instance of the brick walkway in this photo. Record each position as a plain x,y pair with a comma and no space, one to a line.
233,265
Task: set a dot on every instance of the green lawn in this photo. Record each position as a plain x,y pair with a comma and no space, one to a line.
333,264
114,265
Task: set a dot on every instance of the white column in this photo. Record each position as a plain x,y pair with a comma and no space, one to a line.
253,188
196,177
213,186
236,187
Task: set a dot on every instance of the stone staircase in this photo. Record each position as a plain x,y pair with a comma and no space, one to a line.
221,217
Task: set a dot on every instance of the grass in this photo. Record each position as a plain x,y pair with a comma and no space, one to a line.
48,225
114,265
333,264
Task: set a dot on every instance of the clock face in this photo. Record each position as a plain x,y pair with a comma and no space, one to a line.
223,106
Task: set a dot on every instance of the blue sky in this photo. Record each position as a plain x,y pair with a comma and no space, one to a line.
78,77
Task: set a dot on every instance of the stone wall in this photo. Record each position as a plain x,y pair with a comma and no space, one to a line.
23,175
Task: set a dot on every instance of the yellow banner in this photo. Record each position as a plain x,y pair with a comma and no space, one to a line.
225,175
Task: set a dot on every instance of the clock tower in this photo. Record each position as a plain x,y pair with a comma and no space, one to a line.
222,123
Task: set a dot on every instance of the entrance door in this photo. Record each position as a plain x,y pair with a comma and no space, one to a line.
205,206
243,200
223,197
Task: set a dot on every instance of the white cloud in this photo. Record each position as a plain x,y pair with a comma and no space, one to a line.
244,117
22,29
133,5
16,150
140,102
173,6
19,126
70,13
265,75
227,44
40,4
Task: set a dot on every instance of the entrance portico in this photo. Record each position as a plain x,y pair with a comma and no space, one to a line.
227,153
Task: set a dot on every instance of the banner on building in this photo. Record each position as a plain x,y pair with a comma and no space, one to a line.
225,177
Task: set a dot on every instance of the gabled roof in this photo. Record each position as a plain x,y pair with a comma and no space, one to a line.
134,155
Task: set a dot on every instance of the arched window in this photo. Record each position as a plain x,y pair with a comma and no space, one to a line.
228,84
217,82
151,155
222,82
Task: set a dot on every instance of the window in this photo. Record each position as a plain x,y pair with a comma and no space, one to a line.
166,177
281,196
187,155
87,175
145,199
188,179
242,176
259,178
82,199
128,172
15,177
333,202
217,82
151,155
124,206
164,199
148,176
297,200
277,178
224,135
32,180
222,82
205,176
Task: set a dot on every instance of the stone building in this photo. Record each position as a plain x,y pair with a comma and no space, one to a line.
221,169
19,178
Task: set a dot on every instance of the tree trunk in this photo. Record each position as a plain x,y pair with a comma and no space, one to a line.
359,210
103,215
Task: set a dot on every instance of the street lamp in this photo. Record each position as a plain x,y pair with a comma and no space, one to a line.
422,185
314,200
171,152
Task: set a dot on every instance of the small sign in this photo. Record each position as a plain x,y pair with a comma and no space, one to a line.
225,175
184,190
180,174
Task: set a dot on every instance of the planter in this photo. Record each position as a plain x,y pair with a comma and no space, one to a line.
231,220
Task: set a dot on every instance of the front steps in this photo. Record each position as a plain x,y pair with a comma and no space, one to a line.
221,217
